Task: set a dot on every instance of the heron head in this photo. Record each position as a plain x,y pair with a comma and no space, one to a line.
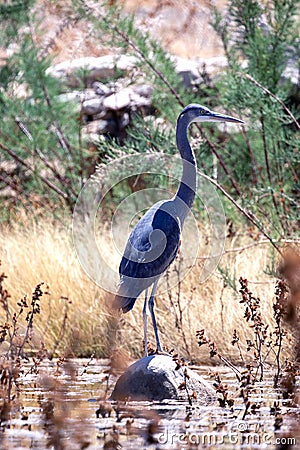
198,113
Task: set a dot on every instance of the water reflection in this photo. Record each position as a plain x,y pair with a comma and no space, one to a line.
62,407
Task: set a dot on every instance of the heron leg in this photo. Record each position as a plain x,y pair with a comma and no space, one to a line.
145,320
151,308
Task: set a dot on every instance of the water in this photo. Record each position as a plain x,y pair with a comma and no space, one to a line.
61,407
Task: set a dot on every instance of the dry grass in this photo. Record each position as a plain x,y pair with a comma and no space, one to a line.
214,307
44,252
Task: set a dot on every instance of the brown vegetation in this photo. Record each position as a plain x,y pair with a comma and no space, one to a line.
74,312
189,36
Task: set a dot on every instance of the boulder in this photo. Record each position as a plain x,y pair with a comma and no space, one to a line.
101,89
77,96
144,90
126,98
119,100
190,70
92,107
158,377
101,126
91,69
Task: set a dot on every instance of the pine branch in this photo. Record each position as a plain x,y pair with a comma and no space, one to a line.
42,178
267,91
43,158
250,216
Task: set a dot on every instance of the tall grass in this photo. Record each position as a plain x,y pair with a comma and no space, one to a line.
44,253
75,315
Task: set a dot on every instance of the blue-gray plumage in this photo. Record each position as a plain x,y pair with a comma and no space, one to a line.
153,243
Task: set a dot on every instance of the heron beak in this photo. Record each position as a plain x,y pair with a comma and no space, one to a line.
216,117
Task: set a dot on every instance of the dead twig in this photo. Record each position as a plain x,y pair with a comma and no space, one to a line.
286,109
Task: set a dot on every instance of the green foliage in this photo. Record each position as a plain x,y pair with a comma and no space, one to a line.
13,14
259,39
118,30
258,167
265,32
38,132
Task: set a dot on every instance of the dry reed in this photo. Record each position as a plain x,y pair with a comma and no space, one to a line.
74,313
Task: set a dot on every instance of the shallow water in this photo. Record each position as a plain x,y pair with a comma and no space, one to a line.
62,407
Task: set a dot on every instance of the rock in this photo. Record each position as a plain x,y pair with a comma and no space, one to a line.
125,98
101,127
144,90
124,120
77,96
187,69
156,378
8,167
119,100
190,70
138,102
7,192
92,107
91,69
101,89
291,72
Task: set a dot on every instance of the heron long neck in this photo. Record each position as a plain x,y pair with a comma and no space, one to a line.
187,188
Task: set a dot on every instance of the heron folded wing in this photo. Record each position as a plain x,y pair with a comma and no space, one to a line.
151,248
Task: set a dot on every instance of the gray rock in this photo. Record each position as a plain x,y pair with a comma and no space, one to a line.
101,127
91,69
187,69
119,100
138,101
190,70
124,120
291,72
92,107
144,90
69,97
127,97
101,89
156,378
79,96
9,167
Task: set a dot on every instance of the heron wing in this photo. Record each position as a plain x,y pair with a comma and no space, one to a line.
151,248
152,245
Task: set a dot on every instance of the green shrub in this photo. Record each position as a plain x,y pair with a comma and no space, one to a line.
257,166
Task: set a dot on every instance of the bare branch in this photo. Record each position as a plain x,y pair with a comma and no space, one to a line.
286,109
45,180
251,217
43,158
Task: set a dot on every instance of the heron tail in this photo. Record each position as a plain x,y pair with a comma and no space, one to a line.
124,303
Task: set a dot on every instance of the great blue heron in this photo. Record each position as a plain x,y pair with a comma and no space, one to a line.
153,243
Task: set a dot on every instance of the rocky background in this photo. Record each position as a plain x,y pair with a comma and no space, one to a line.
183,29
106,98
